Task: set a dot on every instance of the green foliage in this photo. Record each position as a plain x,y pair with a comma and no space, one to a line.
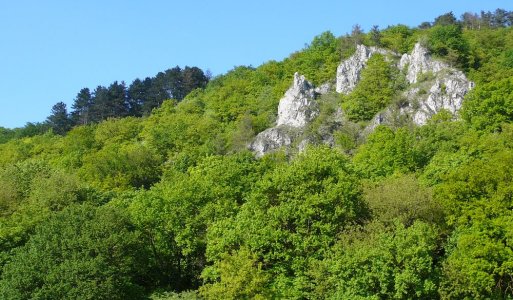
83,252
402,199
399,263
171,130
374,91
171,206
59,120
175,214
445,19
240,277
398,38
447,41
441,134
6,134
121,167
386,152
318,62
489,105
187,295
479,264
291,217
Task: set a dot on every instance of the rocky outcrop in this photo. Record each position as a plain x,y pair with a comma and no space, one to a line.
298,106
446,93
271,139
295,110
348,72
419,62
444,90
433,86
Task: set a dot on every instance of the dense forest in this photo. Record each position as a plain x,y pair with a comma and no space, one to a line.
149,191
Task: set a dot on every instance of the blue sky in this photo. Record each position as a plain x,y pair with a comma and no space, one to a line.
51,49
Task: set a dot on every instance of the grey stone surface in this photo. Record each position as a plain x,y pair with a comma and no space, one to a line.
298,106
348,72
295,110
447,88
419,62
269,140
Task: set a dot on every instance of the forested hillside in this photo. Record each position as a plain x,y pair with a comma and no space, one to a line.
150,191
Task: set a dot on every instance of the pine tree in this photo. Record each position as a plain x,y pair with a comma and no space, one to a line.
81,107
59,119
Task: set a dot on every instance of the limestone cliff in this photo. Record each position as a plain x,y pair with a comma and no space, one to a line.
348,72
296,109
432,86
298,106
445,89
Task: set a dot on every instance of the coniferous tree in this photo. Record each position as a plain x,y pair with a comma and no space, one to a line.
193,78
500,18
174,83
117,100
138,95
486,18
59,119
81,107
357,34
470,20
375,35
446,19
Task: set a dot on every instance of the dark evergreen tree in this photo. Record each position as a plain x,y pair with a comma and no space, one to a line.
425,25
470,20
486,18
117,100
500,18
156,94
375,35
446,19
59,119
173,83
193,78
99,108
357,34
138,95
81,107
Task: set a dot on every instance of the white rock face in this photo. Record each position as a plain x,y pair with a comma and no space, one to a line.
425,97
269,140
295,110
323,89
446,93
298,106
348,72
418,62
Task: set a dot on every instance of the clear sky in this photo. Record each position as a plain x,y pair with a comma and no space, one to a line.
51,49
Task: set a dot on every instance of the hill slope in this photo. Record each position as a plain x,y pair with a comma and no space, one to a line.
395,181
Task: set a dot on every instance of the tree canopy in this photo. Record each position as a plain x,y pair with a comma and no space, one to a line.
147,190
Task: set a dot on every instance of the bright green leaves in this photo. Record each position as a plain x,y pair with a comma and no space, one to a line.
291,217
374,91
489,105
402,199
319,61
176,214
380,263
241,277
386,152
479,263
398,38
81,253
447,41
121,166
